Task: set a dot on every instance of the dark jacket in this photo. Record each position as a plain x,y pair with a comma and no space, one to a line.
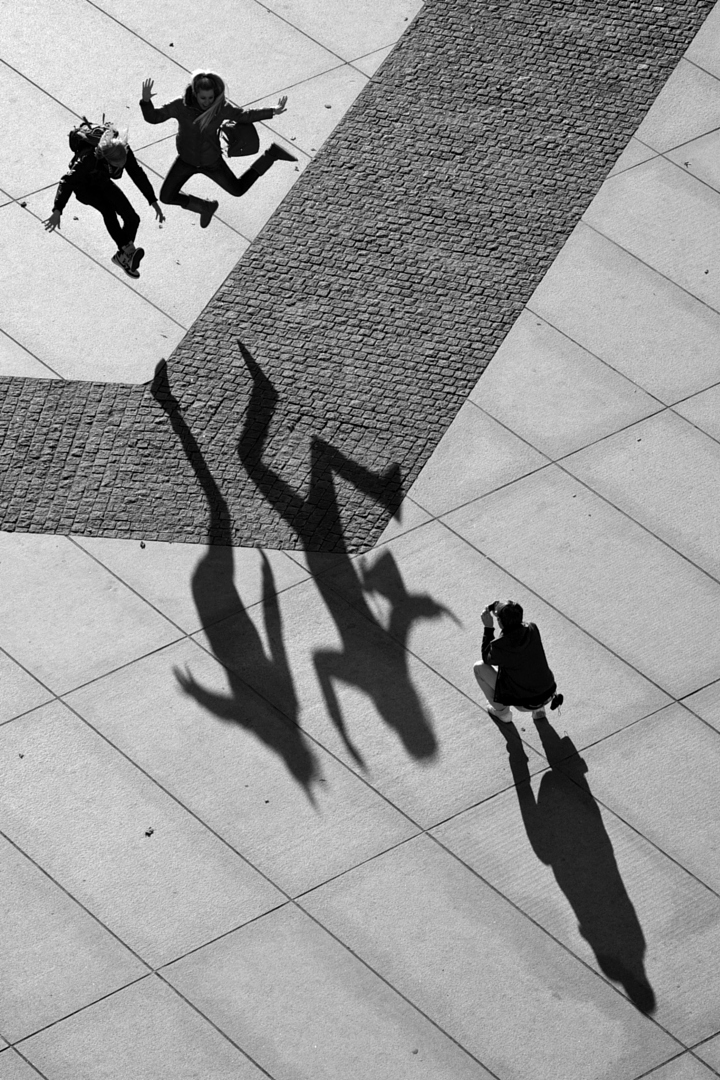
524,677
87,172
195,146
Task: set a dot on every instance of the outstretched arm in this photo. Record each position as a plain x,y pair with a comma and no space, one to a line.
150,113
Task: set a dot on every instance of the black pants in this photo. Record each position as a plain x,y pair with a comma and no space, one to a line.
112,204
220,172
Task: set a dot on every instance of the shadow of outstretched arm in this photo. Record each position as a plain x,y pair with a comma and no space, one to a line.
380,672
213,575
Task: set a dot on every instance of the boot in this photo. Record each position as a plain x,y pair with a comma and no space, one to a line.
135,255
203,207
274,153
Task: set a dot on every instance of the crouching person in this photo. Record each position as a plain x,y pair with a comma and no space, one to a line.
514,671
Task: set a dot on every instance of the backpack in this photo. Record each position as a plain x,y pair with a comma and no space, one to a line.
85,136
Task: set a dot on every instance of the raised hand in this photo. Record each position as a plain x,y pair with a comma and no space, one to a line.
280,107
147,93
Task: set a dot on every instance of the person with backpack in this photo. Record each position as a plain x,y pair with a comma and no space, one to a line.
203,114
513,670
101,154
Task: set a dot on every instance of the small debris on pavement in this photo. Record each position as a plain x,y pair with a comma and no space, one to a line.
149,832
142,543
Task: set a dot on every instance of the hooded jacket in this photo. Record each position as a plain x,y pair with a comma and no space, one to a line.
88,172
196,146
524,677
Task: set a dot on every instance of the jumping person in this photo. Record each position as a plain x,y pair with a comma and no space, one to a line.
91,178
200,112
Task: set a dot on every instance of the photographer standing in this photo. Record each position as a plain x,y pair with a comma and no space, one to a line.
513,670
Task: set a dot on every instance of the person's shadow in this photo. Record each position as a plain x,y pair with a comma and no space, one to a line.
367,659
214,576
566,831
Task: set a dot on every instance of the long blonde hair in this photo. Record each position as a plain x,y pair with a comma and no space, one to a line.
218,85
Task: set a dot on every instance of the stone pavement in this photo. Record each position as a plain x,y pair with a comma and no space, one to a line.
253,821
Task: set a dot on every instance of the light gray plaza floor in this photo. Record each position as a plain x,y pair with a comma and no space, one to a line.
174,901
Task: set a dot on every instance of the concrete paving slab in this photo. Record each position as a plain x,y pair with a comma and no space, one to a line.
603,693
474,456
123,848
17,361
706,704
369,64
350,30
660,776
127,335
30,162
324,1014
710,1052
415,739
591,560
144,1031
13,1067
685,1067
56,957
57,607
231,759
255,51
666,218
699,158
100,67
472,963
167,575
634,154
602,890
686,107
630,317
703,49
245,216
703,410
569,398
20,691
665,474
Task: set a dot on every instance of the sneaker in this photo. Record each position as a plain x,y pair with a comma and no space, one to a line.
207,212
137,255
124,263
496,716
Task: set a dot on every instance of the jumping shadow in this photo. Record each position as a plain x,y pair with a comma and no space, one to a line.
215,573
566,831
367,659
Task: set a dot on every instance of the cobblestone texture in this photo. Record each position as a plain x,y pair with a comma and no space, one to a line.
314,386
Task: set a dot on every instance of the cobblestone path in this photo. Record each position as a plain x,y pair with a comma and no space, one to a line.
320,377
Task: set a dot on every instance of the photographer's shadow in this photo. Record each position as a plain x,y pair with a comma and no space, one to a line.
566,831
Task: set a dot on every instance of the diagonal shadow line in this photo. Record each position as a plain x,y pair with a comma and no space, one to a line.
215,572
566,831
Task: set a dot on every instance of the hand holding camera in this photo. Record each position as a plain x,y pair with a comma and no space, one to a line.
487,615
